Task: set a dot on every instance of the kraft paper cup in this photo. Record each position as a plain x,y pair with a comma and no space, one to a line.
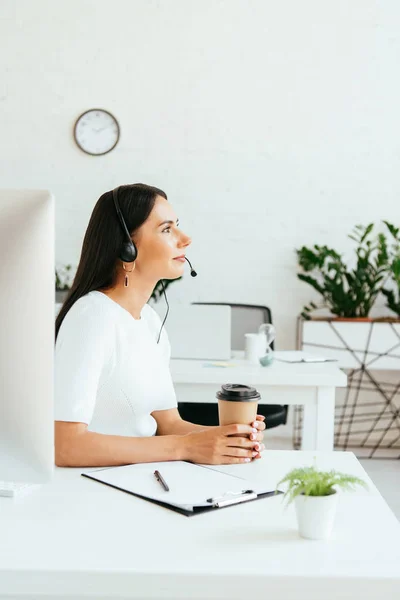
237,403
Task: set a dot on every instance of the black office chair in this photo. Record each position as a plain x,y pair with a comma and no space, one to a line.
245,318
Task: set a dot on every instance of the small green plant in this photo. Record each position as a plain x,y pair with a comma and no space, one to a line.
158,291
393,295
347,293
311,482
64,277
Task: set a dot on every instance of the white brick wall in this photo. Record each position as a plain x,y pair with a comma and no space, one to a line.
269,124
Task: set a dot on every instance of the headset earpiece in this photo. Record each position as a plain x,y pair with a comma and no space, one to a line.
128,251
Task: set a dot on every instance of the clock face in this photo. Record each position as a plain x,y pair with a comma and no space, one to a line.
96,131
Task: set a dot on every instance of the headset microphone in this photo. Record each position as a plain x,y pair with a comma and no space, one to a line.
192,271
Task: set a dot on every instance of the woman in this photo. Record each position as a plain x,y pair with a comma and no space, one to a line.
114,398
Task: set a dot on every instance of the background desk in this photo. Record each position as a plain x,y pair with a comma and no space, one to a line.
309,384
78,539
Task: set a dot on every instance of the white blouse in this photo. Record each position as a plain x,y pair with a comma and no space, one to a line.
109,370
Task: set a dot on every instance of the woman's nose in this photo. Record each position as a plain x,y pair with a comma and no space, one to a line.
185,240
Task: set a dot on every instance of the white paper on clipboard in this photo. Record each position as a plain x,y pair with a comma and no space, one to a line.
190,485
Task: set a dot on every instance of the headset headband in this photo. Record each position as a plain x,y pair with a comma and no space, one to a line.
119,213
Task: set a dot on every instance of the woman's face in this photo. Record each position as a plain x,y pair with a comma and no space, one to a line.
161,244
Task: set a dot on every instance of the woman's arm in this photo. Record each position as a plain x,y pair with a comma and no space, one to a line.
169,422
75,446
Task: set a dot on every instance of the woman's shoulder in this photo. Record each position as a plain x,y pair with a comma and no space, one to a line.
87,314
90,303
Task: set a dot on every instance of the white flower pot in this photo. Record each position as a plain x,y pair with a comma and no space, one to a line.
316,515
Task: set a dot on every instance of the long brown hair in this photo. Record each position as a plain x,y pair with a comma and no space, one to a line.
103,240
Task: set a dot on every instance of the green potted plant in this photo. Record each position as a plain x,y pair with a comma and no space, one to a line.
393,294
347,293
64,278
315,495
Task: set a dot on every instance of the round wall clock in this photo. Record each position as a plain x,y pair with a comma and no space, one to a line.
96,131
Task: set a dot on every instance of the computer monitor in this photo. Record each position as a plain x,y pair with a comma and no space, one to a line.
26,335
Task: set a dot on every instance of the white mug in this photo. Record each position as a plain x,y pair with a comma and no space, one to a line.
254,347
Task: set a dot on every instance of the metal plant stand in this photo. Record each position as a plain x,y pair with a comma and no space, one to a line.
367,413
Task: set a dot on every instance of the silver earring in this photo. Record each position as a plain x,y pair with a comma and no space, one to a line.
126,281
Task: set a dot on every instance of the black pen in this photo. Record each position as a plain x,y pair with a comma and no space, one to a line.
161,479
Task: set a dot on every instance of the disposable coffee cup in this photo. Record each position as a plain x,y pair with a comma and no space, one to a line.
237,403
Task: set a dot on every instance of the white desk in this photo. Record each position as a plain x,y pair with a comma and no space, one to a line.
78,539
312,385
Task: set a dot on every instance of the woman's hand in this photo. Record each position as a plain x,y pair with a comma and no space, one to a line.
217,446
260,426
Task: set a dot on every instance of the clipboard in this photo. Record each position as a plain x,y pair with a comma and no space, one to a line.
194,489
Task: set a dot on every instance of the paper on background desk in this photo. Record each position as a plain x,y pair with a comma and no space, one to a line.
287,356
301,357
190,485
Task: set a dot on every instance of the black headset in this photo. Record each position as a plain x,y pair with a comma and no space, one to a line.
129,252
